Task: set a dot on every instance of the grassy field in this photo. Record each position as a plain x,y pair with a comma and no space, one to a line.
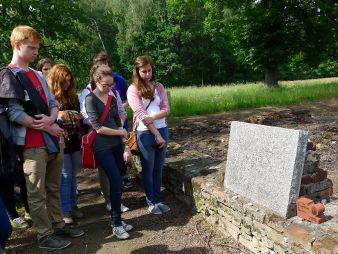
189,101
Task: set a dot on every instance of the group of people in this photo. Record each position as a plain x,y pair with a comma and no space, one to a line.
42,120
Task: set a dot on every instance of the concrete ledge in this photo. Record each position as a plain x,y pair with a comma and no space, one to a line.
196,180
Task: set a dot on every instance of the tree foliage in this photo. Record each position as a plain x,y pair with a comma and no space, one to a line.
269,33
191,41
67,27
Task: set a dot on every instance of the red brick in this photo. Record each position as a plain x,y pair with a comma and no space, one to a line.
324,193
319,176
309,210
306,179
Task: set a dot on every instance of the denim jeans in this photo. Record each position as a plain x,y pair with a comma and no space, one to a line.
68,185
152,160
6,228
111,161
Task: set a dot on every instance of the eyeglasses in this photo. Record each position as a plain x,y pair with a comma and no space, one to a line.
106,85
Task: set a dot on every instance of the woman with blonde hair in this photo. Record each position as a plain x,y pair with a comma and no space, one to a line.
148,100
62,84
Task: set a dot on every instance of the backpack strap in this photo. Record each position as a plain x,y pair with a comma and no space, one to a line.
26,84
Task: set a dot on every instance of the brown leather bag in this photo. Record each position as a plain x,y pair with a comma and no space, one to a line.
132,141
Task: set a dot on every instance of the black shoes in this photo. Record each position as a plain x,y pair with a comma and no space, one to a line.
53,243
69,231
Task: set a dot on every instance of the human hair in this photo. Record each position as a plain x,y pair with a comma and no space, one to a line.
56,79
144,90
97,72
102,58
42,62
22,33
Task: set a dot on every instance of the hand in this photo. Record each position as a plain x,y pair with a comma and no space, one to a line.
124,134
42,122
55,130
17,190
127,155
148,119
160,141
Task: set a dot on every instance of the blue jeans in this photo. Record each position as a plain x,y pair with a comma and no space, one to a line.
111,161
6,228
152,160
68,180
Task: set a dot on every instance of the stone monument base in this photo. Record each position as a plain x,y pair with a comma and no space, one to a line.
196,179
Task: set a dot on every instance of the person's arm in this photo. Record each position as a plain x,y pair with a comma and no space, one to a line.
136,105
121,110
164,105
83,112
42,121
124,90
159,139
17,115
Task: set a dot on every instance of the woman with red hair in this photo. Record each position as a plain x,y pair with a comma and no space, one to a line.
62,84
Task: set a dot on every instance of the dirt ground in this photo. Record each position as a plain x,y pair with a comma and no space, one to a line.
181,230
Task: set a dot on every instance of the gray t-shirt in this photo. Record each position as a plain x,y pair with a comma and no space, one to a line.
95,108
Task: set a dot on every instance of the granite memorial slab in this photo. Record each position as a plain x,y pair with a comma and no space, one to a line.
265,164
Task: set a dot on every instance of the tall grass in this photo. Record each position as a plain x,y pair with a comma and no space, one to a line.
188,101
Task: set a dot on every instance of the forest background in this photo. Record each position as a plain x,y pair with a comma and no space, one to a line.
193,42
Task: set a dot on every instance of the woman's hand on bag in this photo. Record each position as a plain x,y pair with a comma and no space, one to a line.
127,155
160,141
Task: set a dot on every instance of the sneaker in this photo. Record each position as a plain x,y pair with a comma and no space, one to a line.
108,207
120,233
164,208
154,209
67,218
19,223
127,227
27,217
53,243
68,231
126,182
77,213
124,208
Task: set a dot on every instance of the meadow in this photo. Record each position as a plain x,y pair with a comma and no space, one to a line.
188,101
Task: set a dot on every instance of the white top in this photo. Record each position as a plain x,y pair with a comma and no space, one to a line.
153,108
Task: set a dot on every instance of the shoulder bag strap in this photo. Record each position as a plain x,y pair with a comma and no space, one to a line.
106,109
93,133
135,127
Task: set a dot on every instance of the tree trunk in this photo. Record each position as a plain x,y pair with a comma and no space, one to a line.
271,79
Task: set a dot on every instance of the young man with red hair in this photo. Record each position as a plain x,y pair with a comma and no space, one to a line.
35,130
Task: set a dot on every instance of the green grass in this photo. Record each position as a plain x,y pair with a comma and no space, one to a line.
189,101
